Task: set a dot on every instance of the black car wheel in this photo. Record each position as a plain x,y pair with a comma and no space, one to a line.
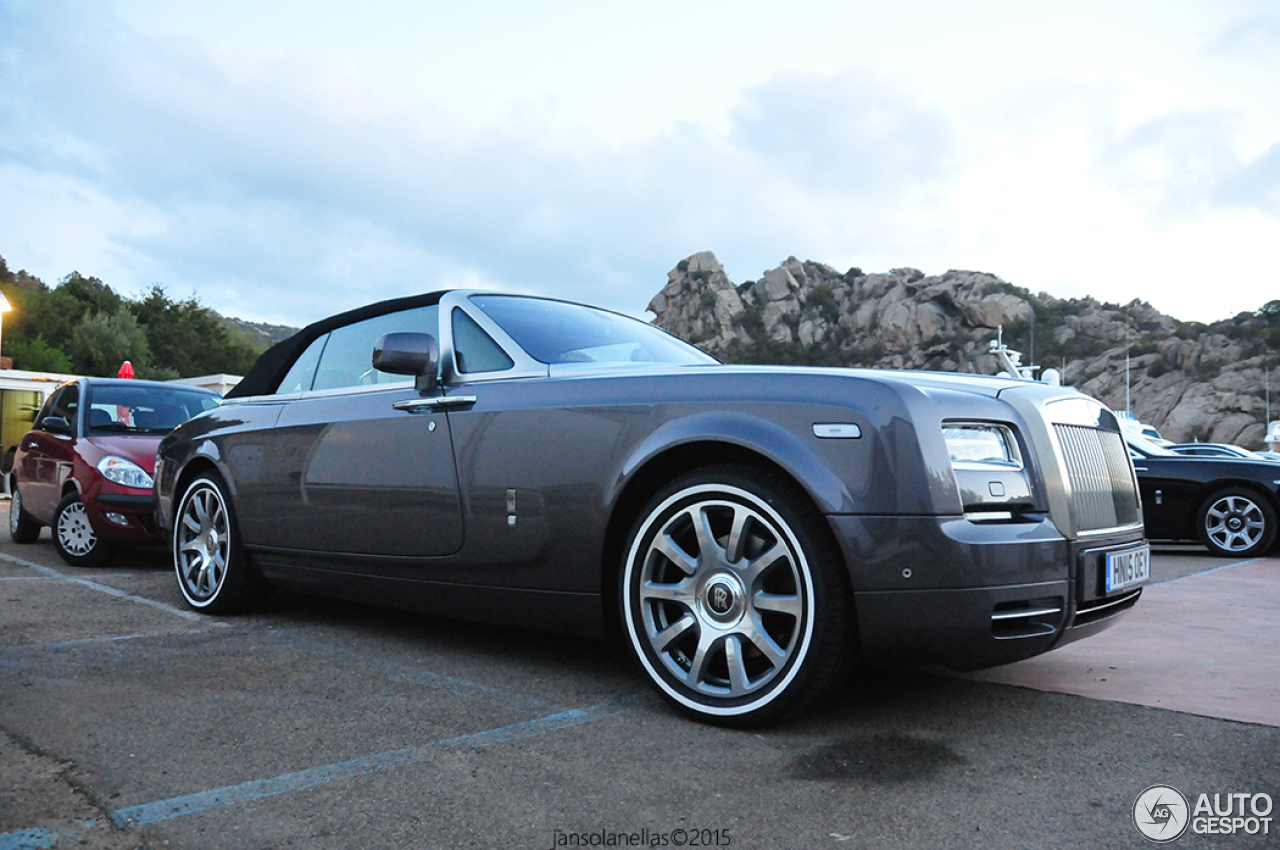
74,536
733,597
23,527
1237,522
214,573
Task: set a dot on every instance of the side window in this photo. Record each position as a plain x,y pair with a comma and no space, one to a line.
303,371
347,359
475,350
66,403
46,409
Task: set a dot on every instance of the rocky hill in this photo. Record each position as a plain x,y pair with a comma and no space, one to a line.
1192,381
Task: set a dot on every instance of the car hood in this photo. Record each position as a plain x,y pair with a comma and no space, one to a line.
139,448
954,381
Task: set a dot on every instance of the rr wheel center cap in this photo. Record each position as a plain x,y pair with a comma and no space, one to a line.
1235,523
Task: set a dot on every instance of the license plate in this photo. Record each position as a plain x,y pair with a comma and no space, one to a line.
1128,568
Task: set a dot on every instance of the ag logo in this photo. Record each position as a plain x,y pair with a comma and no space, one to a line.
1161,813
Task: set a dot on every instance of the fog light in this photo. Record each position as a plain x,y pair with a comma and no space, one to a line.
118,519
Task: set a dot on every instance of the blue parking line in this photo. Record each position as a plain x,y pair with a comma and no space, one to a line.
28,839
1214,570
418,676
245,792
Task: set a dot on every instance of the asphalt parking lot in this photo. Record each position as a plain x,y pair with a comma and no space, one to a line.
127,721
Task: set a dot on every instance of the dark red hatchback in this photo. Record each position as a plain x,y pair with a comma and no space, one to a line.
85,468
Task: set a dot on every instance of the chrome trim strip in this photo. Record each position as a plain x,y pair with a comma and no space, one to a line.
1032,612
988,516
1104,606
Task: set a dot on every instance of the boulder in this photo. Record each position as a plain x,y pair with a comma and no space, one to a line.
1189,382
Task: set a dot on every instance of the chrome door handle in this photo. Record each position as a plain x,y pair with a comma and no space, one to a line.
430,405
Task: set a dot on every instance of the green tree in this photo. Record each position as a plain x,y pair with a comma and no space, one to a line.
179,338
188,338
102,341
37,355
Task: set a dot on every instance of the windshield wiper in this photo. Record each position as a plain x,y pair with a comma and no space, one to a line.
114,426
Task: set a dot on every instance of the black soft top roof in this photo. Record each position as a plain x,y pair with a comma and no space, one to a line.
272,364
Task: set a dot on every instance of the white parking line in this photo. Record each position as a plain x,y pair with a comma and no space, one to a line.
111,591
59,577
68,644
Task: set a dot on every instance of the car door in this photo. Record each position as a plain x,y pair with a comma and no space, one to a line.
47,457
1168,492
353,474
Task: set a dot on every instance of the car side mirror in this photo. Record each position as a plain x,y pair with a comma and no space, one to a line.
56,425
406,353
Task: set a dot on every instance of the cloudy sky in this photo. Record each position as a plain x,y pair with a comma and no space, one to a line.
286,160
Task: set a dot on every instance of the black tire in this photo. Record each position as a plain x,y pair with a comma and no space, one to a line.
749,623
214,572
74,536
1237,523
23,527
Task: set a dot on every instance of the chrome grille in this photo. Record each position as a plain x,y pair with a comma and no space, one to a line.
1101,477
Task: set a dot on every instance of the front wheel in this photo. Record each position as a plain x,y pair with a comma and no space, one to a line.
1236,522
74,536
214,572
734,597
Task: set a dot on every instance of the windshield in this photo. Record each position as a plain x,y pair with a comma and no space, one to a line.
1245,453
559,332
1148,448
142,409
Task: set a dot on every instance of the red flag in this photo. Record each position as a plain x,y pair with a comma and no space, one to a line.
126,370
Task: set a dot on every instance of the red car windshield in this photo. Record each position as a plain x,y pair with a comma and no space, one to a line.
141,409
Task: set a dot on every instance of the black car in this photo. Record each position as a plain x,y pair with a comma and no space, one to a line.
746,530
1228,504
1214,450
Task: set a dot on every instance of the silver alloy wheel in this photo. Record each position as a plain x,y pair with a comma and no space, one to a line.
1234,523
15,512
202,543
74,531
721,601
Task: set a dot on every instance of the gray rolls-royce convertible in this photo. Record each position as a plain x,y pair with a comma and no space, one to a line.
749,532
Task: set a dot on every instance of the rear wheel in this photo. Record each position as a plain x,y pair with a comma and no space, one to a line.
734,599
23,527
214,572
1236,522
74,536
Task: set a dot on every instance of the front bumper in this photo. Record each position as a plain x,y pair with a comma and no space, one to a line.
943,590
132,508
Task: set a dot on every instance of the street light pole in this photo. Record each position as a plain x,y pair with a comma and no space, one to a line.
4,308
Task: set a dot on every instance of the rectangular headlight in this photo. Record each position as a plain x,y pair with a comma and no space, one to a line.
981,444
